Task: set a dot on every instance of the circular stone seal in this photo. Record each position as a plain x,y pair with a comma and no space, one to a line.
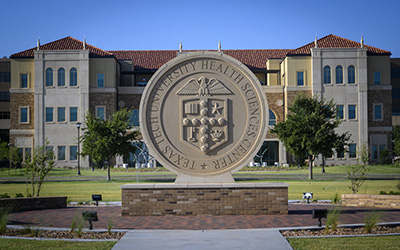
203,114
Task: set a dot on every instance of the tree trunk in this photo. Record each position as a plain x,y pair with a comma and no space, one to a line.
323,164
108,174
310,162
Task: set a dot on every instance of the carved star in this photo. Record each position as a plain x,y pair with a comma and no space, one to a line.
204,166
216,108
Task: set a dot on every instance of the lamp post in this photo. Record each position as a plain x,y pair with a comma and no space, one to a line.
78,125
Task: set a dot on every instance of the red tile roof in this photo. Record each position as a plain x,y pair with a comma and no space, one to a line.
332,41
254,59
67,43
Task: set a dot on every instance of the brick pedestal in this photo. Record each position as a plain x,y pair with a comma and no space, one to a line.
204,199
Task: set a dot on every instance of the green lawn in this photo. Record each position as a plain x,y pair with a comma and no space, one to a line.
18,244
111,191
353,243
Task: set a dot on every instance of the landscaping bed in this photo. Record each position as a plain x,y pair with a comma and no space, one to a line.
57,234
340,231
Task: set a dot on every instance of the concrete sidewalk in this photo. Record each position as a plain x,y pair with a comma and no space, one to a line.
249,239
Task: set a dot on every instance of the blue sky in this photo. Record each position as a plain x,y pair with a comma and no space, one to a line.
162,25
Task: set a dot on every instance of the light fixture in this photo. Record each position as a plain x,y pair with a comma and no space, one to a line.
78,126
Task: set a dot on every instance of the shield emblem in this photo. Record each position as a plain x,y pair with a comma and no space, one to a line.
204,119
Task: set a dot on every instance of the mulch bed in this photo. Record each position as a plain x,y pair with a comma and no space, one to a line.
340,231
37,233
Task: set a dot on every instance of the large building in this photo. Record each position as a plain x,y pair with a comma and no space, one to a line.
54,85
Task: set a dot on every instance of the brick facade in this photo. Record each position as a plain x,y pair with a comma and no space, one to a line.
383,97
109,100
371,200
129,101
21,100
34,203
204,199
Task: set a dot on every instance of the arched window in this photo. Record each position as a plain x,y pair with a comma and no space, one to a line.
61,77
49,77
351,74
339,74
73,77
272,118
327,74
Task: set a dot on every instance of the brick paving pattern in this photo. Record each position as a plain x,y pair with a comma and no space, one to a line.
299,216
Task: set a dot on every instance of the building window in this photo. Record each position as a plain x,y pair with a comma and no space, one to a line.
134,119
24,81
49,77
4,115
142,79
100,112
61,77
378,114
340,112
25,154
340,154
300,78
5,76
327,74
353,150
49,115
352,112
73,77
61,114
272,118
376,151
73,153
100,80
351,74
377,78
61,153
4,96
24,115
339,74
73,114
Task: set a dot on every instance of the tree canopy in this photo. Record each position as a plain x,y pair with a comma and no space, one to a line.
309,129
103,139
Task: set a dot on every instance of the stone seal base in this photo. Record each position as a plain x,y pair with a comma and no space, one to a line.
204,199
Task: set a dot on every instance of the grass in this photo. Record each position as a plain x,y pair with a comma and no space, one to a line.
361,243
111,191
17,244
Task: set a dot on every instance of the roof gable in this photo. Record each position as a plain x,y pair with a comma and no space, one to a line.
332,41
67,43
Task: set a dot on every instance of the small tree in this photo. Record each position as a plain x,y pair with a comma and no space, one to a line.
38,167
103,139
356,173
310,129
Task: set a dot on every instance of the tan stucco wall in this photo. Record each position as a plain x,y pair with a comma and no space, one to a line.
106,66
272,79
294,64
19,66
379,63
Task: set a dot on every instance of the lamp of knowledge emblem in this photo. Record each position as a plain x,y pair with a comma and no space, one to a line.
203,116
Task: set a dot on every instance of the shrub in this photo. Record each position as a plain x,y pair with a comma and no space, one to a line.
371,219
3,220
19,195
4,196
332,220
335,199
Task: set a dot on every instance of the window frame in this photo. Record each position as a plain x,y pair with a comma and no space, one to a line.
339,77
52,114
381,111
327,79
299,83
351,77
349,112
61,78
97,113
379,82
73,77
21,80
70,116
272,120
58,153
20,115
103,80
342,112
49,79
58,115
70,153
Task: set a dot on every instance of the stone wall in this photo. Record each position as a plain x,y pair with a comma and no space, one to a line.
204,199
371,200
34,203
129,101
380,97
109,100
18,100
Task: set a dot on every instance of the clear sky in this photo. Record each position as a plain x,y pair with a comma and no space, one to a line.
200,24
